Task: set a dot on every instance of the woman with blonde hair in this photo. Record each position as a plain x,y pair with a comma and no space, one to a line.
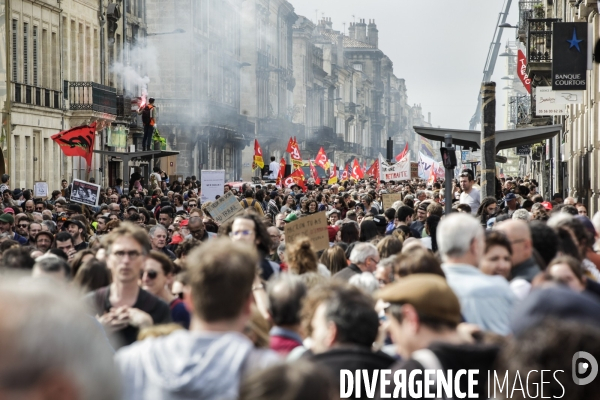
334,259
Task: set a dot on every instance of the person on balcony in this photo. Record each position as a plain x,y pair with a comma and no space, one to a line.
148,119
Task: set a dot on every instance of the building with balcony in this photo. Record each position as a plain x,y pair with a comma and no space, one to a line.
197,83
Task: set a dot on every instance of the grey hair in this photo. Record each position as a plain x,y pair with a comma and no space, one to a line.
365,281
361,252
156,228
455,234
51,225
558,220
521,214
46,329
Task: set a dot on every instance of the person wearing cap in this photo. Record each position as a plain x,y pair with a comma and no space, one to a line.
76,229
132,210
485,300
419,223
44,241
470,195
423,315
6,226
333,216
511,204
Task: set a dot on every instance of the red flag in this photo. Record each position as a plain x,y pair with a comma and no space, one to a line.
321,159
345,174
522,70
357,173
315,174
294,151
404,153
332,175
295,178
374,170
78,141
432,178
258,155
281,171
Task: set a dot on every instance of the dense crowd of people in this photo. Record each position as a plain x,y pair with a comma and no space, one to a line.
145,296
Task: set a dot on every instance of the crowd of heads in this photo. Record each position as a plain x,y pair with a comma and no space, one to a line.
147,296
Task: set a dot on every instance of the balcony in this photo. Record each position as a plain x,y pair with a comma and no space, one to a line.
124,110
527,9
520,110
91,96
35,95
539,46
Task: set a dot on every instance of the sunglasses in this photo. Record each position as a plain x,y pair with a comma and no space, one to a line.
23,226
150,274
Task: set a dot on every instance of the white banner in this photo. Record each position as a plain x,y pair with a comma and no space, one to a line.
425,166
212,184
399,171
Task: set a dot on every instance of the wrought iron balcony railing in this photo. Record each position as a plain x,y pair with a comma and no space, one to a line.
35,95
91,96
526,12
539,40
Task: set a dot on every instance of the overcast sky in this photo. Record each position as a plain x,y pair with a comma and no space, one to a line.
438,46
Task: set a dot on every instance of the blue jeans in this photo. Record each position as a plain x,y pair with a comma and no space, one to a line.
147,140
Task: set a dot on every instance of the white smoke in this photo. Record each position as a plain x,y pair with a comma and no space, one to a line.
136,74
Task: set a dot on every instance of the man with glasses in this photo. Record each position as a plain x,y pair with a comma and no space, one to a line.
158,239
123,307
43,241
22,226
525,267
197,230
363,258
192,204
6,224
280,221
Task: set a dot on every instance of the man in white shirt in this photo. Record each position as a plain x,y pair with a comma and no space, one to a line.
469,195
274,168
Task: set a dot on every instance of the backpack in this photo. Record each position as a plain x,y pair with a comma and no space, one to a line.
146,115
245,205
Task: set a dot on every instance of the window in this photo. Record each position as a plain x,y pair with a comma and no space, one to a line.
35,56
15,77
357,67
25,53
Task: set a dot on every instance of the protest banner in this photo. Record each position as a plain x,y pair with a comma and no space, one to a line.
85,193
389,199
40,189
399,171
313,226
224,208
212,184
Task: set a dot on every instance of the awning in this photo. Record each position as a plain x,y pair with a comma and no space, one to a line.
504,139
142,155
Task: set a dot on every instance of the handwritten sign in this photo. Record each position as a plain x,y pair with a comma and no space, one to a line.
399,171
313,226
224,208
389,199
40,189
213,183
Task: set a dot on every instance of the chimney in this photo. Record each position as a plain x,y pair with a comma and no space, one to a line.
328,23
361,31
340,49
352,31
373,34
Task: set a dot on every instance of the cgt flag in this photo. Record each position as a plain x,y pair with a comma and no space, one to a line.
321,159
315,174
345,174
294,151
332,175
281,171
374,170
78,141
258,155
295,178
357,172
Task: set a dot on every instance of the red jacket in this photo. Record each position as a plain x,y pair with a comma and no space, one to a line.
283,345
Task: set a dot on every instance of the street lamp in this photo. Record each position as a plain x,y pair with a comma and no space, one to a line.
507,25
506,54
178,30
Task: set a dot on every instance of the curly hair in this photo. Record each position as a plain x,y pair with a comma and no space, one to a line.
300,256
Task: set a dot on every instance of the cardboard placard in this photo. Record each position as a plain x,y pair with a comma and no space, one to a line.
83,192
414,170
224,208
389,199
313,226
40,189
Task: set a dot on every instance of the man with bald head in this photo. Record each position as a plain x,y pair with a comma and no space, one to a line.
524,265
198,231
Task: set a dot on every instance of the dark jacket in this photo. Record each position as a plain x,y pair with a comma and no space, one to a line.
351,358
346,273
454,357
527,270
